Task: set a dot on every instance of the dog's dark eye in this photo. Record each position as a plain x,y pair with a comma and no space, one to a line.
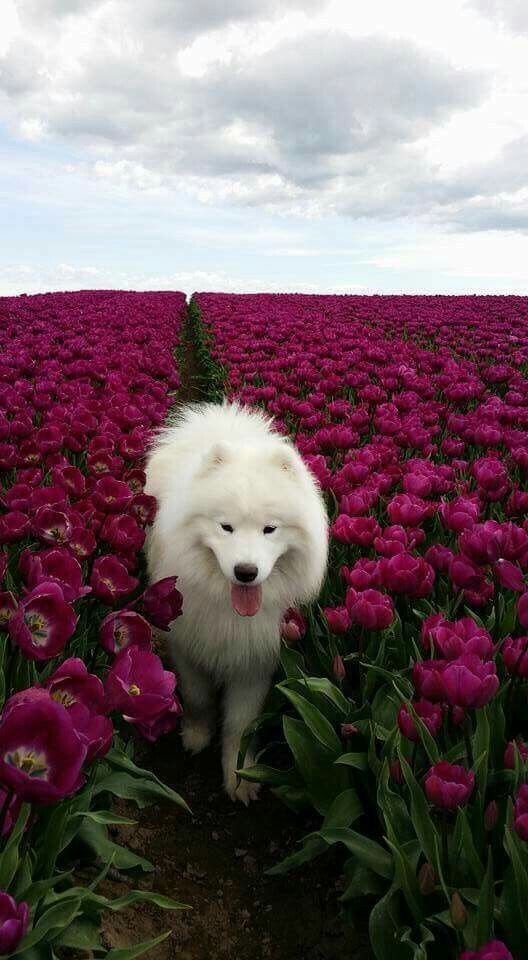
269,529
227,527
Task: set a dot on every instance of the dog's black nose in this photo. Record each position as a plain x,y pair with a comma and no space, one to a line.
246,572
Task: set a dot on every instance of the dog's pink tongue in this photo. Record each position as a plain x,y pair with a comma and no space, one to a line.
246,600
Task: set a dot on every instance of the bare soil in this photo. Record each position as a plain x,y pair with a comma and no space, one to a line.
215,861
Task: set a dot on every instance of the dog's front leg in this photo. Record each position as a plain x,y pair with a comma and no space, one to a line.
244,698
198,692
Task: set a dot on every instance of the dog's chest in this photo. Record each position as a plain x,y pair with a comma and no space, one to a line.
228,643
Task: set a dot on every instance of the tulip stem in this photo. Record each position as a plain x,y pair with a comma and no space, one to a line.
445,845
514,682
361,647
361,643
467,739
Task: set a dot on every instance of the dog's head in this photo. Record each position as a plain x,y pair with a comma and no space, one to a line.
258,512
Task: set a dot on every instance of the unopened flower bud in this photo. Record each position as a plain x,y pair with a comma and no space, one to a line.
396,771
426,879
491,815
290,632
348,730
338,668
457,912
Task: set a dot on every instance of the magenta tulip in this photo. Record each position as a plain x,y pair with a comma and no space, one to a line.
409,510
162,603
515,655
143,508
360,531
110,580
429,713
481,544
492,478
72,683
460,514
493,950
55,565
338,619
111,495
520,813
293,626
165,723
43,622
71,479
82,543
122,628
370,609
407,574
522,610
464,574
14,922
14,526
138,686
82,695
509,576
41,755
52,526
439,557
468,682
454,639
123,533
365,574
514,748
448,785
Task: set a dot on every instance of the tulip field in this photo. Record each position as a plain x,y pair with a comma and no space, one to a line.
399,715
84,379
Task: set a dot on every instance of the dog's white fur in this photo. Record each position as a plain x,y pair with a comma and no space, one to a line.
224,465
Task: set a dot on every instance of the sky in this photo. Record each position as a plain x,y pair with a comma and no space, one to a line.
346,146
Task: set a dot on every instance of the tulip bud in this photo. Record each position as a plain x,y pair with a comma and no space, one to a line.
348,730
520,817
457,912
426,879
338,668
290,632
491,815
396,771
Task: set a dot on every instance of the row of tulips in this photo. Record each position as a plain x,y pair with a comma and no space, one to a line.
84,380
402,708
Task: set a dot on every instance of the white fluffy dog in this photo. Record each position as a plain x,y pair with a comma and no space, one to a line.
242,523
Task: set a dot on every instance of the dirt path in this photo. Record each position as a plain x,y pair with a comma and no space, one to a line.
215,860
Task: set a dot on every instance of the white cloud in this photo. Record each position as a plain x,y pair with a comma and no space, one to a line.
23,278
329,124
442,258
370,120
512,14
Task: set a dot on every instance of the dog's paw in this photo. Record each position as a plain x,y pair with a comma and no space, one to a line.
195,736
242,791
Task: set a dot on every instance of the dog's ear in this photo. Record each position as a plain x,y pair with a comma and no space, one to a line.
216,456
